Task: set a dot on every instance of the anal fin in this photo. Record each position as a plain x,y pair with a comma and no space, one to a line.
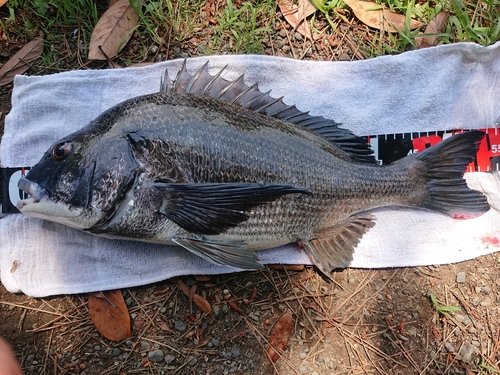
335,248
233,254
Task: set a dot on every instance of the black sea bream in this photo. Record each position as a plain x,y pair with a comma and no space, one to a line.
223,170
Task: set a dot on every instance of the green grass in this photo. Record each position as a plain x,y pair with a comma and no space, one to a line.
236,27
443,310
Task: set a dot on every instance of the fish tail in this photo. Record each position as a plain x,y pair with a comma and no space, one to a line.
446,163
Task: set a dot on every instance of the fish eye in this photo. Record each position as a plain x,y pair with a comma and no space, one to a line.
61,151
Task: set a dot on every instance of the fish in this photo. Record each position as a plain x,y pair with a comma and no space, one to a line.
224,170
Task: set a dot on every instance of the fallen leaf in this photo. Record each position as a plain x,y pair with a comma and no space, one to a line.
372,15
19,63
280,335
2,2
113,30
235,307
289,267
290,12
164,327
187,290
436,26
202,303
306,8
109,314
203,277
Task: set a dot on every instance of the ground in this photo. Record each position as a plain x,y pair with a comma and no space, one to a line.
365,321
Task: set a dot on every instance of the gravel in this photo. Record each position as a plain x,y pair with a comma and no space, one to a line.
180,325
156,356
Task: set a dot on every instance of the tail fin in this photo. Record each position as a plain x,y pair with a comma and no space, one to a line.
446,163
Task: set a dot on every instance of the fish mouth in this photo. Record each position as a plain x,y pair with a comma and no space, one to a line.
36,192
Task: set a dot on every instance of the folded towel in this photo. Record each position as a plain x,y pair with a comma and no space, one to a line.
441,88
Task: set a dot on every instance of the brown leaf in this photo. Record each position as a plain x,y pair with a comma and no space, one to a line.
289,267
202,303
113,30
109,314
436,26
2,2
290,12
306,8
381,19
203,277
280,335
189,292
19,63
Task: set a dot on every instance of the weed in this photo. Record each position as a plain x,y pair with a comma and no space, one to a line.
443,310
241,30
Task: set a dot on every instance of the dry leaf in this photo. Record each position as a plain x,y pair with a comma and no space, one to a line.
290,12
19,63
203,277
288,267
306,8
113,30
202,303
280,335
436,26
2,2
109,314
187,290
381,19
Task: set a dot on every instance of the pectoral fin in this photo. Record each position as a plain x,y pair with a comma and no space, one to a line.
336,248
233,254
211,209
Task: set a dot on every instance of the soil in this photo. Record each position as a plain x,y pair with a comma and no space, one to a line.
365,321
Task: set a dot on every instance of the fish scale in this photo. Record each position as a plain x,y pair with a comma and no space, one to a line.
225,180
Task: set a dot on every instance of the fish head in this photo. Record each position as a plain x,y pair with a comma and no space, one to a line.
79,180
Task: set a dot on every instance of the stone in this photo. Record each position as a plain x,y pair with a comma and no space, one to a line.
235,351
116,352
145,346
460,277
467,352
449,348
180,325
156,355
169,358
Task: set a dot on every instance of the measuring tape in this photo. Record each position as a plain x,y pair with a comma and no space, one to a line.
387,149
391,147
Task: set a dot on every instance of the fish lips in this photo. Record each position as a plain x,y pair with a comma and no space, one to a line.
35,191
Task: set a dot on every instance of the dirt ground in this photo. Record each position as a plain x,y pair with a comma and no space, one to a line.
365,322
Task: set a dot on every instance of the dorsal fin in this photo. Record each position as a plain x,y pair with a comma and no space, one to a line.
250,97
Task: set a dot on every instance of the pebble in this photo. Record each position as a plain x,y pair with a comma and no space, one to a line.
235,351
97,348
302,355
486,302
461,277
467,352
169,358
116,352
449,347
253,317
180,325
215,342
145,346
156,355
192,361
216,310
30,358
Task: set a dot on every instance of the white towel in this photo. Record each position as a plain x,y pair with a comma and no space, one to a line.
441,88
